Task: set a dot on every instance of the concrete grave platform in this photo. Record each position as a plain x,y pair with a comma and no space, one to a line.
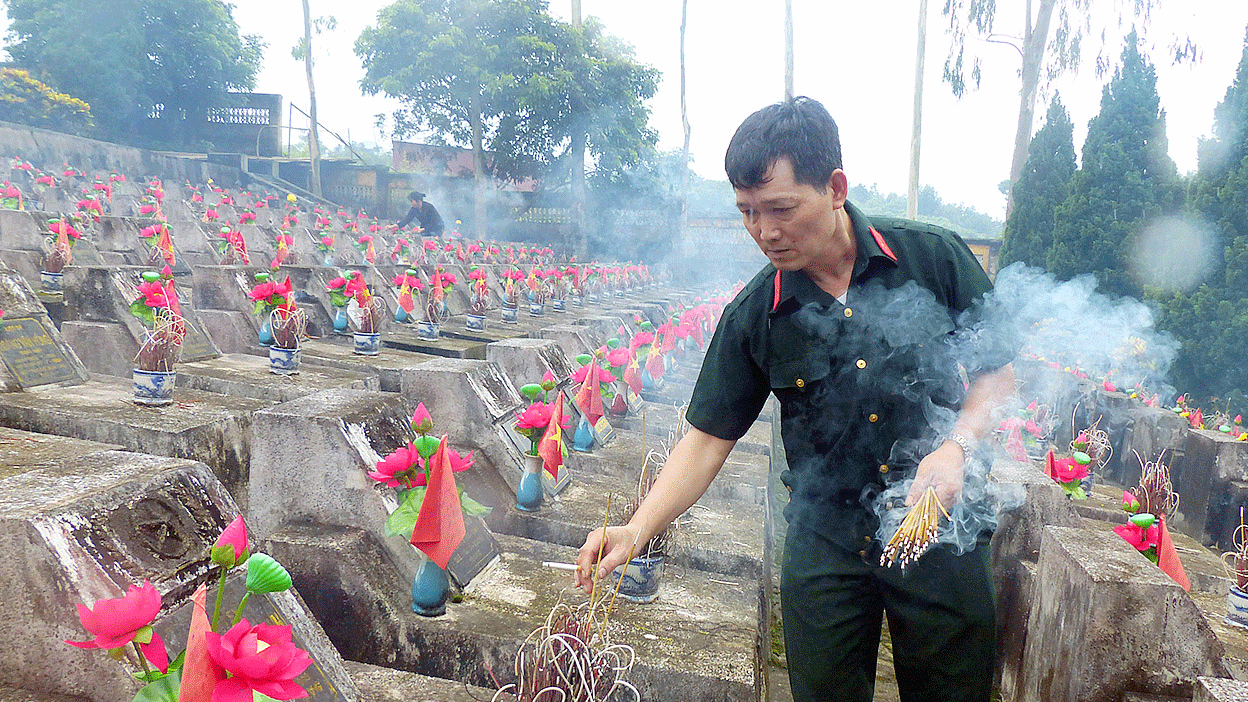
473,401
1220,690
337,353
244,375
378,684
1105,621
1212,478
571,338
699,641
528,360
403,337
214,429
87,526
715,535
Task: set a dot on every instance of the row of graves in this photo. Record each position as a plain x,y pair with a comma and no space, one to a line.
387,512
328,458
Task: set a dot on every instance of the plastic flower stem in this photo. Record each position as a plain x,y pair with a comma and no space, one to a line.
216,610
593,589
238,613
142,659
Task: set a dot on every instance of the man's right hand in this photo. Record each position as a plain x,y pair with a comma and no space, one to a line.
621,541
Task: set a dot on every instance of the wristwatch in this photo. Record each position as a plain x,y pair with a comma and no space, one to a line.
962,442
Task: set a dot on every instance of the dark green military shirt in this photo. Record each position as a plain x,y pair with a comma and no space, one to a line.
862,385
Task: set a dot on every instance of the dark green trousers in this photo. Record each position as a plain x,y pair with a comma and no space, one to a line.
941,617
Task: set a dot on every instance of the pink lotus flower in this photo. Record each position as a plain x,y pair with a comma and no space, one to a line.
1140,538
402,468
247,218
337,284
431,245
261,658
117,621
231,547
149,232
535,416
365,238
1068,470
1129,502
153,293
422,421
618,357
147,209
473,248
45,180
1109,387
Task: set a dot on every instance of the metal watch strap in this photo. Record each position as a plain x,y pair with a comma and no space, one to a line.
962,442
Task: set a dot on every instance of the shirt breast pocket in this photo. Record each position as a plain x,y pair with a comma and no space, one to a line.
797,375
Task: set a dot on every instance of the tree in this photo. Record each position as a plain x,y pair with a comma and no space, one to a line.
129,57
1126,177
1042,60
1042,186
314,141
504,75
1211,322
27,101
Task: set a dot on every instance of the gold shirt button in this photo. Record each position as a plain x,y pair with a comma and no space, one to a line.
873,418
867,539
800,383
849,312
883,467
861,364
863,552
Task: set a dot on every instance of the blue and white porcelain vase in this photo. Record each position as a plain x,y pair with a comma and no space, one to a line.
367,344
284,361
154,388
639,579
475,322
509,314
428,331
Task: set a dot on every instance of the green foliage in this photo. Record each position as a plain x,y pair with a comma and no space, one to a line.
1043,185
1211,322
1126,178
402,521
127,56
27,101
964,220
510,72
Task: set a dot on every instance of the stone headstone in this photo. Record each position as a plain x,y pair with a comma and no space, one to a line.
90,525
31,356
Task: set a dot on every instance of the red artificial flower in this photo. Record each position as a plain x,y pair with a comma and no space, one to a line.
117,621
535,416
1130,502
231,547
365,238
246,217
474,248
619,357
431,245
1142,539
153,293
1068,470
261,658
337,284
402,468
422,421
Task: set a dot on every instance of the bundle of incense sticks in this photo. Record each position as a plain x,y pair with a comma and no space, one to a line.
917,531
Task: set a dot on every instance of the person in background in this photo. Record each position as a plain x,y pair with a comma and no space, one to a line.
822,328
424,214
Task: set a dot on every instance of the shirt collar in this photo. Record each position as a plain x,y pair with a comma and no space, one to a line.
798,287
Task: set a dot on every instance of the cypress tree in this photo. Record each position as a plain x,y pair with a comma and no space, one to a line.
1043,185
1125,179
1212,320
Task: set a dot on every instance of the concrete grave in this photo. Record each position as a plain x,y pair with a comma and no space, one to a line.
1105,621
87,524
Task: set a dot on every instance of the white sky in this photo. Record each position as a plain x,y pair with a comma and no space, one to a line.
858,58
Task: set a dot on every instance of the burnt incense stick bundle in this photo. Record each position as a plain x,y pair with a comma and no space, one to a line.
917,532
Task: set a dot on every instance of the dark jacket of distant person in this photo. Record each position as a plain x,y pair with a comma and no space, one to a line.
425,214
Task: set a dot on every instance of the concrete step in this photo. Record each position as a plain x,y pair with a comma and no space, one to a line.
698,641
715,535
244,375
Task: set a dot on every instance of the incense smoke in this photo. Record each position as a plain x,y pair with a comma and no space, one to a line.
1029,313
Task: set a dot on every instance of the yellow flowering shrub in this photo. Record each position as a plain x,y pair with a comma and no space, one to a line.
28,101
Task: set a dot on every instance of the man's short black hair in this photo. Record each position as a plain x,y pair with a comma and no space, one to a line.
800,129
415,195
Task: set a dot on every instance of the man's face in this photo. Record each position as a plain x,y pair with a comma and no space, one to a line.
793,223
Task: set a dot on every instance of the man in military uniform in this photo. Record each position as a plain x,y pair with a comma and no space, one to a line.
849,326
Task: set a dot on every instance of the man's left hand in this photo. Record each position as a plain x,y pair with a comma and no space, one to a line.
941,469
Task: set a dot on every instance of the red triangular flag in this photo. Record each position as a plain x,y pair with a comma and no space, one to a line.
632,375
550,448
654,363
589,397
406,301
1014,446
1197,420
1168,557
165,244
440,525
199,673
1050,464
